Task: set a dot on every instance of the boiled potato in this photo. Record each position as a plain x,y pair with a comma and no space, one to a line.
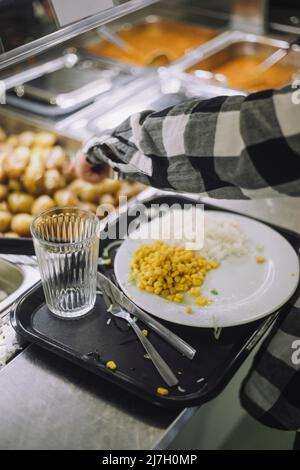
26,138
16,162
107,199
44,139
110,186
12,141
125,189
15,185
88,192
42,204
3,136
20,202
88,206
53,180
5,221
4,206
58,159
65,197
20,224
11,235
34,175
130,189
2,172
3,192
76,186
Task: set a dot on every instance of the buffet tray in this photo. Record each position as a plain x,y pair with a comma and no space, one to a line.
97,338
62,84
163,11
225,46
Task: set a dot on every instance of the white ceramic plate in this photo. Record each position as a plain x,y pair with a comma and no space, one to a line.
247,290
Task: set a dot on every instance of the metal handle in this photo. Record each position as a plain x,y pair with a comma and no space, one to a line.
112,37
178,343
161,366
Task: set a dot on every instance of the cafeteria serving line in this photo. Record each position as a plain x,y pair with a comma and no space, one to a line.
110,321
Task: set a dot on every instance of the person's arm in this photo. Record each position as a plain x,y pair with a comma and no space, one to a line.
226,147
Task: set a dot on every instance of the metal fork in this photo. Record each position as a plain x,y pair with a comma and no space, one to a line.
161,366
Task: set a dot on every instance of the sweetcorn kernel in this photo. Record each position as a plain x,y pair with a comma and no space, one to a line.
111,365
169,271
162,391
260,259
195,291
202,301
189,310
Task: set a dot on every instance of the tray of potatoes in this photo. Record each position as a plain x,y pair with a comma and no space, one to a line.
35,176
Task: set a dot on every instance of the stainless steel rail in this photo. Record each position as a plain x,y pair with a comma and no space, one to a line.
64,34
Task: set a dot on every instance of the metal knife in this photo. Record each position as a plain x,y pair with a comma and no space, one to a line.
178,343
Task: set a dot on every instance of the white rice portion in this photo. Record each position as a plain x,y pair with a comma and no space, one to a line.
220,237
224,239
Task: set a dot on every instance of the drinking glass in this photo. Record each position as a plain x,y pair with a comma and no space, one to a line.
66,243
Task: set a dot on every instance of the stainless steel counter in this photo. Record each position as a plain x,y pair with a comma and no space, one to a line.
48,403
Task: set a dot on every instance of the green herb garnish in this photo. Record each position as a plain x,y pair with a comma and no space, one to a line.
214,292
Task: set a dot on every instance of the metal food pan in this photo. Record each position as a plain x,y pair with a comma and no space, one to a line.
41,88
14,281
227,46
14,123
154,14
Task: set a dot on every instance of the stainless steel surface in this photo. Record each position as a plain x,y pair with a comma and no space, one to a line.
21,260
11,277
14,280
30,73
217,51
174,10
170,337
42,44
112,37
14,122
61,84
161,366
249,15
273,59
48,403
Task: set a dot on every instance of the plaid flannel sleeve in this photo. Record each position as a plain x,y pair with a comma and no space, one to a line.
233,147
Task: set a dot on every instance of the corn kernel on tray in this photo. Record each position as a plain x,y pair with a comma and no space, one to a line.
107,347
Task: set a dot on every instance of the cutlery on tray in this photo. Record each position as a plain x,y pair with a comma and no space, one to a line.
161,366
121,299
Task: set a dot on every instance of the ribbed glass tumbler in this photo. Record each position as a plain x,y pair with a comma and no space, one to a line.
66,242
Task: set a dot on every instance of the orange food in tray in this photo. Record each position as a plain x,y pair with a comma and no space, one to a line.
241,73
147,40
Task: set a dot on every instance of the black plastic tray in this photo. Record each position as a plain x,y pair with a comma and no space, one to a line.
93,340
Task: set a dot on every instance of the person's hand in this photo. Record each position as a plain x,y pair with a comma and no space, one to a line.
87,172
